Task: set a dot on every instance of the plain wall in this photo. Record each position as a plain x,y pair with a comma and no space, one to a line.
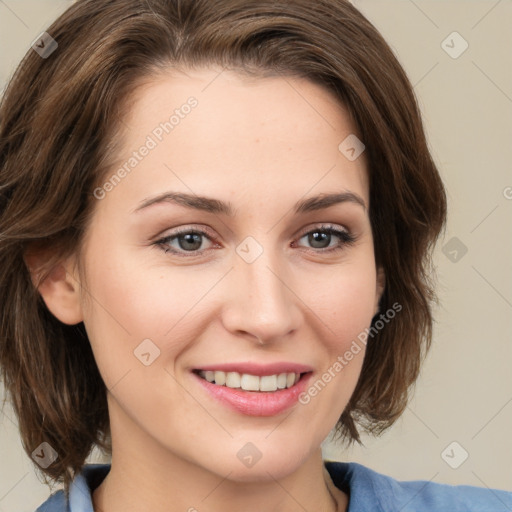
464,394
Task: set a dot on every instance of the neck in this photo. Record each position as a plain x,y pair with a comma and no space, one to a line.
145,475
190,489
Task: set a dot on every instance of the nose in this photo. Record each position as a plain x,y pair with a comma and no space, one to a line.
261,303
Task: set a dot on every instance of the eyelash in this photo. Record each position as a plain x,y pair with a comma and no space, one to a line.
346,238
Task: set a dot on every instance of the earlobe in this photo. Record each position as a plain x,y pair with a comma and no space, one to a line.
60,290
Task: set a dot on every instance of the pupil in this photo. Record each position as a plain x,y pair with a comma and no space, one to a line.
189,239
319,237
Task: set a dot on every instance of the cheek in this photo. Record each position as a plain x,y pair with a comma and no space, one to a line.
343,310
343,306
120,313
344,299
128,295
133,301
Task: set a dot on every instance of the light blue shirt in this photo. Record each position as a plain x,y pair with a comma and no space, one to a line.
368,491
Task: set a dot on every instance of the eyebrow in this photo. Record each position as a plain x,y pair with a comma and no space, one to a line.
216,206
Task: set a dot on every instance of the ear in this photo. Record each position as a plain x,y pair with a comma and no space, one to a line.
379,290
60,290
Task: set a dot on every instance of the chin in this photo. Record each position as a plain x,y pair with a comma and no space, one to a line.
273,463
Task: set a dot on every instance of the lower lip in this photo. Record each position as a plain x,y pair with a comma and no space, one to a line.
256,403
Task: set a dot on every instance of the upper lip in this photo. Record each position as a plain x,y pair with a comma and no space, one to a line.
258,369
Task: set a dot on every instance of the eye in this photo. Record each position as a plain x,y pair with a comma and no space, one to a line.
187,240
322,236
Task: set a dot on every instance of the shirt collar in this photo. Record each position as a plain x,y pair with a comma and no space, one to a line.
82,487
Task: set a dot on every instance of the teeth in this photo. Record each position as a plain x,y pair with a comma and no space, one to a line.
290,379
220,378
232,380
281,381
249,382
268,383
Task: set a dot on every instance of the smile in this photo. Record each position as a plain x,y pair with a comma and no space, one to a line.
255,395
248,382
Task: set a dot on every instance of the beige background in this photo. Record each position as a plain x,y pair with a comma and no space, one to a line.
465,390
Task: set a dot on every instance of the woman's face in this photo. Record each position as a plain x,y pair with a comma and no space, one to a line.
256,291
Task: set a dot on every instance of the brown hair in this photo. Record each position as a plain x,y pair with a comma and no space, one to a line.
58,119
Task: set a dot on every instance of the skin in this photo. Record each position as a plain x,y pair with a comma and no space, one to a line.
261,144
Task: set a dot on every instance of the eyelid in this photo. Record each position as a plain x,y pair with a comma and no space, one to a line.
200,228
322,226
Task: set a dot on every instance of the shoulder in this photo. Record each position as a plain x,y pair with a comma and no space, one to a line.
370,490
55,503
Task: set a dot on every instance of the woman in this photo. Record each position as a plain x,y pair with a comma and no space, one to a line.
217,220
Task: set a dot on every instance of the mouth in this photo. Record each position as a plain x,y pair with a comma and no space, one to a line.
254,389
250,382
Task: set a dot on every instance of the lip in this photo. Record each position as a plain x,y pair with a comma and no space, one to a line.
258,369
255,403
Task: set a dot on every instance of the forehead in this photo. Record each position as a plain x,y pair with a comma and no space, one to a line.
219,133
